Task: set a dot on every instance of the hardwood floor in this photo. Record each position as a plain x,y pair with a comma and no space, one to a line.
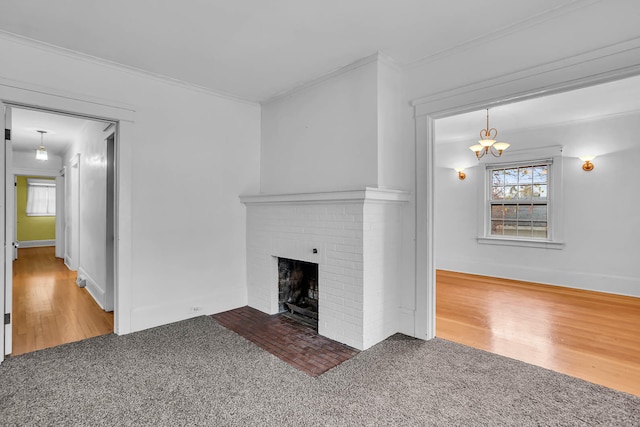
590,335
48,307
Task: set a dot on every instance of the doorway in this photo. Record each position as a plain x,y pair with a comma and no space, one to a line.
66,293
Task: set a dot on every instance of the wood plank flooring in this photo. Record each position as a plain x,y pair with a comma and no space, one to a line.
589,335
48,307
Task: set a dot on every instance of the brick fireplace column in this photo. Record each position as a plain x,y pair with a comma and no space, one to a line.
356,236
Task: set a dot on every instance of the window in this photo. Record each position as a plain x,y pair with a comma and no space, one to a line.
521,200
41,197
518,200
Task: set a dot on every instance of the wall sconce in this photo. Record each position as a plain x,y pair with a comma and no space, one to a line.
461,174
587,166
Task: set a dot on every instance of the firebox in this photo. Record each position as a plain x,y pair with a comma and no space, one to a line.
298,290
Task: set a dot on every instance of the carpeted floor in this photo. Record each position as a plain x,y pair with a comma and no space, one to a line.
197,372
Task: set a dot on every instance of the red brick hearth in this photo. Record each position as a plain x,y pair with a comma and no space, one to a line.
298,345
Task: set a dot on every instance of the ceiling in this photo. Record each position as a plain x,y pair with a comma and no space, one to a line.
607,99
256,49
61,130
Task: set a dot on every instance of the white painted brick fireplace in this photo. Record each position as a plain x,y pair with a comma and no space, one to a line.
357,237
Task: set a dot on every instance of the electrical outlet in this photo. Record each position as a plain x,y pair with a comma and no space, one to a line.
194,309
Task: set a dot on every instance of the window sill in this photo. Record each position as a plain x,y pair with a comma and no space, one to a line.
546,244
36,214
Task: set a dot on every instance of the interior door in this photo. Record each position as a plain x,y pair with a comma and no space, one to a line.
7,213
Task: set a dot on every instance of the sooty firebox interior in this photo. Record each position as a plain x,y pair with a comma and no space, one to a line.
298,290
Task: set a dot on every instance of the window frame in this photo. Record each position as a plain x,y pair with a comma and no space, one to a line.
548,155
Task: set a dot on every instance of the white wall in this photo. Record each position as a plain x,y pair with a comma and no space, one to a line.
601,224
192,154
92,202
324,136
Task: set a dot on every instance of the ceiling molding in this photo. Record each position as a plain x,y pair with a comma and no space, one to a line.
16,38
596,66
503,32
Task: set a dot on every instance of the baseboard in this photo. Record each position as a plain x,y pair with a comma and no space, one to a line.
36,243
186,308
607,283
93,288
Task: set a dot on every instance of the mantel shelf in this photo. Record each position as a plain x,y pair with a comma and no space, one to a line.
366,194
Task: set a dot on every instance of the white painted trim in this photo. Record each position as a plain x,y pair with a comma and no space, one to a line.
602,65
16,38
36,243
545,244
366,194
54,100
68,262
93,287
192,306
506,31
606,283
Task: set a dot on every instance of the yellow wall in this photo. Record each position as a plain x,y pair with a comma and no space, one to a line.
32,227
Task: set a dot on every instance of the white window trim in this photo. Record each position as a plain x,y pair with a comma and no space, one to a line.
555,231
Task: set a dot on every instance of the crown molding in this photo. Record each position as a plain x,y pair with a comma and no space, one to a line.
69,53
503,32
596,66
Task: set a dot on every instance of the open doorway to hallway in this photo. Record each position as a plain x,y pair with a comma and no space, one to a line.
63,278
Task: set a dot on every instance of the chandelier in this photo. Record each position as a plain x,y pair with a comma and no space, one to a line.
487,142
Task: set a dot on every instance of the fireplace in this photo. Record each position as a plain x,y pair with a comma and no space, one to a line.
353,241
298,290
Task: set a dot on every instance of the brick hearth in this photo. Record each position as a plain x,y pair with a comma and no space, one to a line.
296,344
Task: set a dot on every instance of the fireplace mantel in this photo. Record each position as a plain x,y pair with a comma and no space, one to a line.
365,194
354,238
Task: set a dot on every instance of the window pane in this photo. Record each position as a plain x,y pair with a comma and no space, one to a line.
525,212
525,191
509,228
497,212
497,193
524,228
540,191
525,175
539,213
540,174
540,229
511,192
496,228
510,211
510,176
498,177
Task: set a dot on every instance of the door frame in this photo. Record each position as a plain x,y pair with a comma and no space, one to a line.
595,67
25,95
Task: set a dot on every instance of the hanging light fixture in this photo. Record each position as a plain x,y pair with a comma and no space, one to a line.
487,142
41,153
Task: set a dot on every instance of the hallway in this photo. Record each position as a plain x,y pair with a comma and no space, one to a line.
48,307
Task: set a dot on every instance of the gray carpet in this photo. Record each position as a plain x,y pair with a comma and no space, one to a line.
197,372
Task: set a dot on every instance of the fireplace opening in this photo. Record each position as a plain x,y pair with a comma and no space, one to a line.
298,291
